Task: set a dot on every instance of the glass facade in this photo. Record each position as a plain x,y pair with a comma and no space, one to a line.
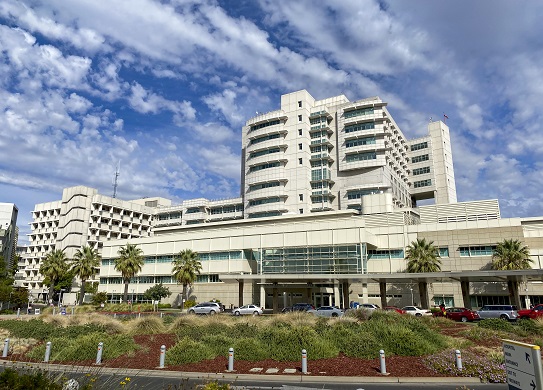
338,259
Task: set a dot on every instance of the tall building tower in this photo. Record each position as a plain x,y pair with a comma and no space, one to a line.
8,232
332,154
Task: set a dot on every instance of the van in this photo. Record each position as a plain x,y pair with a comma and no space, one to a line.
504,312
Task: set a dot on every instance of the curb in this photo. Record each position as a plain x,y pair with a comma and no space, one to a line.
236,377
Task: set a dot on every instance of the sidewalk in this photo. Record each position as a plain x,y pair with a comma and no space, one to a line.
95,370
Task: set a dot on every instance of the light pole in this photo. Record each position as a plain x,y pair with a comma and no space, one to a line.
412,300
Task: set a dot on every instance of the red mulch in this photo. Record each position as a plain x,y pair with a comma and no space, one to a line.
149,356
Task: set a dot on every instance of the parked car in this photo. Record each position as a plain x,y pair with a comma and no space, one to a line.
210,308
505,312
298,307
416,311
533,313
461,314
247,310
369,306
394,308
327,311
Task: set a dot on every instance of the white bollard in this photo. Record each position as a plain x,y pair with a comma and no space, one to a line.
6,348
99,353
231,359
161,314
18,312
54,310
73,309
304,361
458,359
162,356
383,363
47,352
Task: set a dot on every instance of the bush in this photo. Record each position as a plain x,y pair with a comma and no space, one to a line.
189,303
497,324
218,343
353,341
188,351
34,328
147,325
34,379
250,349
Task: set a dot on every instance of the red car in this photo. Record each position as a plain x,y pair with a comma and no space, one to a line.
394,308
461,314
533,313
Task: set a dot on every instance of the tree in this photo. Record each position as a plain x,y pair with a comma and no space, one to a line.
157,292
85,266
423,257
6,283
53,268
511,255
99,298
129,263
186,267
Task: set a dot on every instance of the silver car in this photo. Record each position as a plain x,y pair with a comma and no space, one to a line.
247,310
504,312
210,308
327,311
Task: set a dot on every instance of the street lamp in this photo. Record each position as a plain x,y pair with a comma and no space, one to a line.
412,300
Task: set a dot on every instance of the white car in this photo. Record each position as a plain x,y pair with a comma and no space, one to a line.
416,311
247,310
369,306
327,311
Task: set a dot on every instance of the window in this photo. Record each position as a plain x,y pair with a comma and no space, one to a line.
193,210
299,131
361,157
423,157
360,141
422,183
444,251
264,138
482,250
299,118
422,145
385,254
300,161
255,187
301,211
420,171
359,127
264,201
357,194
359,112
262,166
299,103
299,146
261,125
264,152
301,196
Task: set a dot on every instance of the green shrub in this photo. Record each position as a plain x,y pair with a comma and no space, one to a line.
359,314
147,325
529,326
218,343
477,333
354,342
189,303
242,329
85,347
497,324
35,329
12,379
250,349
188,351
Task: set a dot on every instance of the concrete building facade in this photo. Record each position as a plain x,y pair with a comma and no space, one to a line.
8,232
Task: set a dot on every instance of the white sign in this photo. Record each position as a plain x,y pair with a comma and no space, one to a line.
523,366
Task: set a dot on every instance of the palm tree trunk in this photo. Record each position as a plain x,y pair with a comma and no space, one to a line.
423,293
183,296
125,295
82,292
514,296
51,291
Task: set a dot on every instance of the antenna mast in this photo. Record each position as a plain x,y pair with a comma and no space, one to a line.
117,173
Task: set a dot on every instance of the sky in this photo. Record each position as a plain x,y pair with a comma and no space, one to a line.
161,89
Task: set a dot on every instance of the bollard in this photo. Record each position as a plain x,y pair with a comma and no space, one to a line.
383,362
458,359
54,310
162,356
139,315
18,312
73,309
6,348
47,352
231,359
99,353
304,361
114,315
161,314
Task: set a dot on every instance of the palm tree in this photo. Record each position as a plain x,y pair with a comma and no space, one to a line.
84,266
511,255
54,267
423,257
129,263
186,267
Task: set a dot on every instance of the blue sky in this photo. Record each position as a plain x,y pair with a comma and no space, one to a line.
164,87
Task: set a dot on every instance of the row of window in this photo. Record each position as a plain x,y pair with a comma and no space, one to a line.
316,121
321,174
359,127
257,202
226,209
264,152
166,216
262,125
320,184
359,112
482,250
264,138
265,214
264,166
193,210
360,141
423,157
213,278
421,171
357,194
422,145
260,186
319,134
422,183
361,156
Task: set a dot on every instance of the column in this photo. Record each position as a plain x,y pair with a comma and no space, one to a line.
336,294
275,300
345,286
262,295
464,286
240,292
383,293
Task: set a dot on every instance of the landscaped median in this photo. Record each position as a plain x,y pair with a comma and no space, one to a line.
348,346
